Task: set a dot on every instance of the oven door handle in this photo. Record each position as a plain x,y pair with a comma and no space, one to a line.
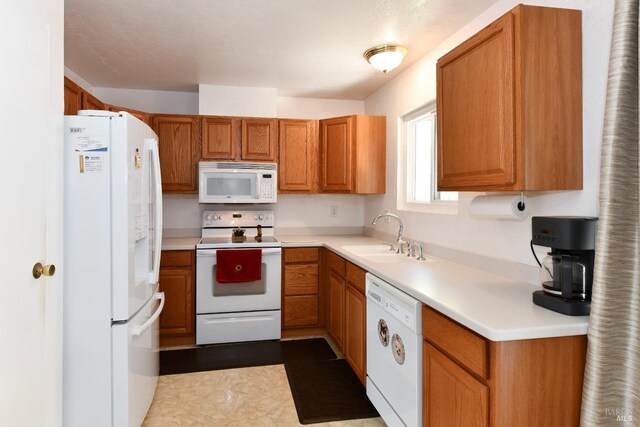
212,252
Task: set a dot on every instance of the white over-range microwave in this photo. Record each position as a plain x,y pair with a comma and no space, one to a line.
237,182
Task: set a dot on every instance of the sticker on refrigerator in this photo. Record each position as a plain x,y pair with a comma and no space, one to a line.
83,143
137,160
91,162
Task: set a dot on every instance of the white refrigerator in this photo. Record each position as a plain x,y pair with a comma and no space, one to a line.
113,235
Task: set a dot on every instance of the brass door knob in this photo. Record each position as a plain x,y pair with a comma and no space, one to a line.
39,269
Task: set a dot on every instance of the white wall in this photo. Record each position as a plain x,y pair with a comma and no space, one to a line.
265,102
151,101
311,108
505,239
238,101
293,211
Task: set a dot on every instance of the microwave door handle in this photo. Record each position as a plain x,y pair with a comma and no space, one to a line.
157,189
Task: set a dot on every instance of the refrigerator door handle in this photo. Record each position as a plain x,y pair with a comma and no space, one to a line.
138,330
157,188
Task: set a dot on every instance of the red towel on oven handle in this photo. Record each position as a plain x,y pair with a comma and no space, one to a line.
238,265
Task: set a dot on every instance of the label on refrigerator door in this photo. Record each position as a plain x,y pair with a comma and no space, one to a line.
84,143
91,162
137,161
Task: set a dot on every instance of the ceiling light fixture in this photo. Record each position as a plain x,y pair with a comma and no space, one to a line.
385,57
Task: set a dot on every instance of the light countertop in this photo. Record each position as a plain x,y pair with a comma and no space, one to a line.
495,307
179,243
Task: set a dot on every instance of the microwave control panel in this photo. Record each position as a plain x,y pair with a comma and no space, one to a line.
268,187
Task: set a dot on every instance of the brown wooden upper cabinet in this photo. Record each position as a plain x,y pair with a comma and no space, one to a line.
141,115
220,138
236,138
259,139
72,97
90,102
179,147
298,156
509,105
353,154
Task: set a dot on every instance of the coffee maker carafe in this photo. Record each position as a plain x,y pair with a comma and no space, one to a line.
567,271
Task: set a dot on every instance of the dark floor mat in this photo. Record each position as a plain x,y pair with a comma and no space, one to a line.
242,355
327,390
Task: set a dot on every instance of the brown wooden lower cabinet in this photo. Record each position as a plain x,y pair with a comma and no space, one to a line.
452,395
335,319
335,284
300,287
347,311
177,273
356,331
471,381
300,310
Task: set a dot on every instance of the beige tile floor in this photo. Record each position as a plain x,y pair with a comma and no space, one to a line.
256,396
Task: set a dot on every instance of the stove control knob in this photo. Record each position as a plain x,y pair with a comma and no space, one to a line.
260,217
255,217
216,217
208,217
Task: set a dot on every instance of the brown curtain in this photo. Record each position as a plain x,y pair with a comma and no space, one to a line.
611,394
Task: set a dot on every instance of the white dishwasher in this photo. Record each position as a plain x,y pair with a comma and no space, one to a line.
394,353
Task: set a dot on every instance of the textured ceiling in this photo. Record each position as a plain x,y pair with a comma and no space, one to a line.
307,48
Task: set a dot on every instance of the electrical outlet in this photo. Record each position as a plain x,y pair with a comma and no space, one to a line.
334,211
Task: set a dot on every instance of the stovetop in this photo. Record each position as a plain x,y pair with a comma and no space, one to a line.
218,226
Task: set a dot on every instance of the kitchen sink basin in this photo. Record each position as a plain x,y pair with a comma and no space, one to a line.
378,253
385,258
364,250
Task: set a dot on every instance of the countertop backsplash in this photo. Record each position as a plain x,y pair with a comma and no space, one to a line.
299,211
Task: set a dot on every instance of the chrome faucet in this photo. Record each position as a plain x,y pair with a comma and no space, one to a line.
400,228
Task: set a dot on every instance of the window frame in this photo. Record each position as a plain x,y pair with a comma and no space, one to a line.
407,149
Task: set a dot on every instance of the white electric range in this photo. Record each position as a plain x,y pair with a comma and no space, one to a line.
234,312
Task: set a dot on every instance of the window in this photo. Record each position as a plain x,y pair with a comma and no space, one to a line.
417,190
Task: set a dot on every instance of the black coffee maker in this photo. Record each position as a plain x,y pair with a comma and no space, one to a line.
567,271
